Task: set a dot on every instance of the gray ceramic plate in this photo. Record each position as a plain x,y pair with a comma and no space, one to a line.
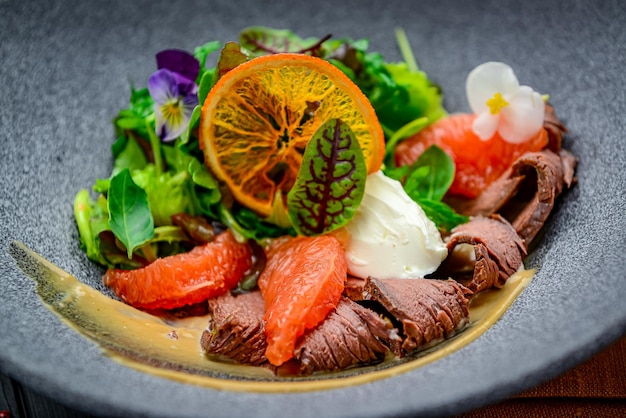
65,72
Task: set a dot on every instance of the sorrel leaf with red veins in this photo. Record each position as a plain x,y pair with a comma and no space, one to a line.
261,40
330,183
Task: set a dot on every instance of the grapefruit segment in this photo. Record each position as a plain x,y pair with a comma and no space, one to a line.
478,162
302,282
206,271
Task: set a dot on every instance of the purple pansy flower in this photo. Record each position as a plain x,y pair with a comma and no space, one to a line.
174,92
179,62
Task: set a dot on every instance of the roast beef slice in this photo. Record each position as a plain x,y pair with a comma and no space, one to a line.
498,251
550,180
235,328
555,129
549,171
350,335
427,310
354,288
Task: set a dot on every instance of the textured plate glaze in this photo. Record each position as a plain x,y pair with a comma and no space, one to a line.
65,72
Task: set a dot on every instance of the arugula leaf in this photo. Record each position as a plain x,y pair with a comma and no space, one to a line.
113,257
202,52
129,212
432,175
423,97
206,83
134,116
330,183
202,188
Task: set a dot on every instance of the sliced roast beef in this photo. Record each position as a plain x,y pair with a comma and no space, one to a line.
498,252
569,162
554,127
350,335
526,193
427,310
548,169
354,288
235,328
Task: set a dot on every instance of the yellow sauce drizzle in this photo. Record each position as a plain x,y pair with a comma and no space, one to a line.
170,348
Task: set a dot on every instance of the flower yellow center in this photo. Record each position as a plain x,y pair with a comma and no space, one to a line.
496,103
173,113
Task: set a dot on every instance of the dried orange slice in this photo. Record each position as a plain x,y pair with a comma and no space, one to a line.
258,118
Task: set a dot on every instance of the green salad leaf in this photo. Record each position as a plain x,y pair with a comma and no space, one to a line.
82,213
130,217
398,94
167,193
129,223
133,117
130,155
202,52
261,40
331,181
426,181
431,176
442,214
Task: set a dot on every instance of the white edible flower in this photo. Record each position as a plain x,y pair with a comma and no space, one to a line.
515,112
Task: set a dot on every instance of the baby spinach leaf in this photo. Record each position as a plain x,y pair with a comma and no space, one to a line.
427,181
431,175
441,214
129,212
330,182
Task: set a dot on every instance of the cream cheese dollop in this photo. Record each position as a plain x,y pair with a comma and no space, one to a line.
390,236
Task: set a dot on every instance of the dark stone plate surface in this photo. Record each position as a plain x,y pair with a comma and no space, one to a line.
65,71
